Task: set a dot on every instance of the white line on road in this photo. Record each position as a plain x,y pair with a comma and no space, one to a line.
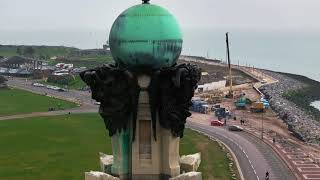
239,146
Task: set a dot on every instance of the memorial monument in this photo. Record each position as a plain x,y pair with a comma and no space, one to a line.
145,96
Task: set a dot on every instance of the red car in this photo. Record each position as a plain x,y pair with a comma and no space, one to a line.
216,123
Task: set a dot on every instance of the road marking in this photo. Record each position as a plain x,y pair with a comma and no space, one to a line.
239,146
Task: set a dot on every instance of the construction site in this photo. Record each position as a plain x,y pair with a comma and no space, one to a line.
249,99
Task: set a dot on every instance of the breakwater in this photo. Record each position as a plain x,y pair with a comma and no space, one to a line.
303,125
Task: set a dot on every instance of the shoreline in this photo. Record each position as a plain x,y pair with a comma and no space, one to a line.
291,98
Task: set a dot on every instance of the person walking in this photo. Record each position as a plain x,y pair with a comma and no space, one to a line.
267,175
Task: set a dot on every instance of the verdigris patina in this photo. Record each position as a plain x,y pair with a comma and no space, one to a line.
145,96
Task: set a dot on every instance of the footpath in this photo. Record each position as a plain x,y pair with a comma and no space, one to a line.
303,163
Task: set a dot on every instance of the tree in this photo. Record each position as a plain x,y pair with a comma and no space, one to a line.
19,50
2,79
42,57
29,51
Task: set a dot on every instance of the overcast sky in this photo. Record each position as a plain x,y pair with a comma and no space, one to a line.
99,14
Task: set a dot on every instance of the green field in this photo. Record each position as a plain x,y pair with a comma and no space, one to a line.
16,101
77,83
7,50
215,163
102,58
64,147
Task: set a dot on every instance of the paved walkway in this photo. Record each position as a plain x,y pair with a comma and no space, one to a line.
304,166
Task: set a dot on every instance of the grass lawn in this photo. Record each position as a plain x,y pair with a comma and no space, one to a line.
214,161
101,58
16,101
77,83
64,147
8,51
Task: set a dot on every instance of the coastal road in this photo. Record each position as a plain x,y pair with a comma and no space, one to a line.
82,97
254,156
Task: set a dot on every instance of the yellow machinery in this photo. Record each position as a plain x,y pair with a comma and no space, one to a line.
257,107
213,97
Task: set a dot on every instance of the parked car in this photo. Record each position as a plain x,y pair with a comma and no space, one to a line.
38,85
235,128
53,88
216,123
62,90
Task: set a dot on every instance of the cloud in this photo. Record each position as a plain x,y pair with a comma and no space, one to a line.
100,14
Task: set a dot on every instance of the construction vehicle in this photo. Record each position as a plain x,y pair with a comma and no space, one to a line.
241,102
212,97
257,107
265,102
222,113
200,106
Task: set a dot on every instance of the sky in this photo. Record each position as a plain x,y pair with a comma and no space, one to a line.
266,33
100,14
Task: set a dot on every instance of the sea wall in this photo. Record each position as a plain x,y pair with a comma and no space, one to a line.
303,125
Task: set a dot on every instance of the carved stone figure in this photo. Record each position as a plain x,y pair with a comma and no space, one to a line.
170,92
145,96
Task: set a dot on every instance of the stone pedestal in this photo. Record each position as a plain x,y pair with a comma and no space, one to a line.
146,158
169,153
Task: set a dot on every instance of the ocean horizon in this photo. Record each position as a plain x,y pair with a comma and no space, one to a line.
291,52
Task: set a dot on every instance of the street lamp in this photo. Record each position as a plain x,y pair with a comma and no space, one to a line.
262,125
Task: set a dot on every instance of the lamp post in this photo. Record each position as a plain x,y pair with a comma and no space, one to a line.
262,125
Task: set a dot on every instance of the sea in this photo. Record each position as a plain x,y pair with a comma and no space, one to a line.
316,104
291,51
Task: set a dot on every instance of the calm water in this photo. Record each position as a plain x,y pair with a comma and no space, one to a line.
293,52
316,104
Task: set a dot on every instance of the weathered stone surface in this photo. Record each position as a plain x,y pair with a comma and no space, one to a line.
106,162
93,175
109,177
188,176
96,175
190,162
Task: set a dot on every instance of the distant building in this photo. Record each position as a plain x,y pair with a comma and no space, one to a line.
78,70
18,62
211,86
106,46
43,73
64,66
53,57
15,72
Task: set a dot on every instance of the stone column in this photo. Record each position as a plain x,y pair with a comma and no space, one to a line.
146,157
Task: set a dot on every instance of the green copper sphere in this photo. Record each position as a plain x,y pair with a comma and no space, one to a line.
145,35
